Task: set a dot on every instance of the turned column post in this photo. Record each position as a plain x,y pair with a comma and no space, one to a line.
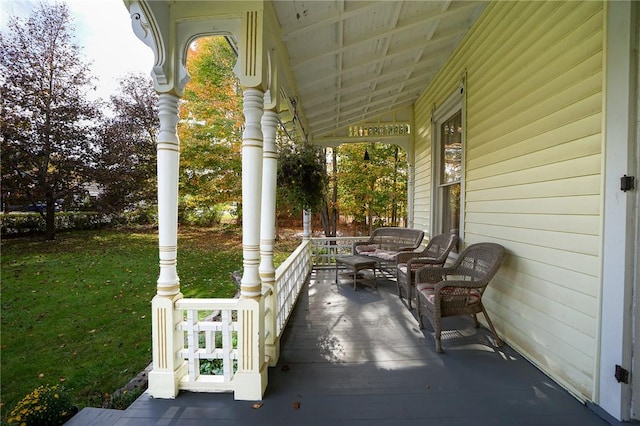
268,231
251,377
306,224
250,380
168,368
252,141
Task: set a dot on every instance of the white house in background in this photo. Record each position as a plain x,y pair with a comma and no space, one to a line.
520,121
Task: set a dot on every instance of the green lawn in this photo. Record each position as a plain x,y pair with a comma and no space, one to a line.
77,311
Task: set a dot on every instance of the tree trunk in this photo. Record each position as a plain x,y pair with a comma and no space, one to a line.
324,219
329,217
50,220
239,215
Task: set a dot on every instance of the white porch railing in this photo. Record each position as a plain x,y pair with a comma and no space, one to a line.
325,250
210,334
209,328
290,277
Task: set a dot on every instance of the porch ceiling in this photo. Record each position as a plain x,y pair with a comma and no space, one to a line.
355,60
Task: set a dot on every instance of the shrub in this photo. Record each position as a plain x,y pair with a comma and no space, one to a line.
22,223
15,224
207,216
45,406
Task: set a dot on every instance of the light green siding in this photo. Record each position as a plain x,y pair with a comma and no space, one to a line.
533,162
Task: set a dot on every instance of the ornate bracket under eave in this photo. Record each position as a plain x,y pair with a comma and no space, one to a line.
152,24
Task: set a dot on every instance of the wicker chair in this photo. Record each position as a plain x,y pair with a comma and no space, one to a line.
434,254
457,289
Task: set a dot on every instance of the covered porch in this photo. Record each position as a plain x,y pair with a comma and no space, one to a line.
546,134
358,358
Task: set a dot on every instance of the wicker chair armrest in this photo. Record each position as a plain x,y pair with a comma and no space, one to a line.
427,261
456,290
405,256
459,284
430,274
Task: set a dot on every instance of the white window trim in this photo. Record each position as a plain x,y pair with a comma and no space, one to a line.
456,101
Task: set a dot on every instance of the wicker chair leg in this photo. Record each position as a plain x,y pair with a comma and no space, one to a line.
437,327
476,324
493,330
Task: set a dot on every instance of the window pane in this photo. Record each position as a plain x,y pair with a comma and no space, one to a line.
451,208
451,149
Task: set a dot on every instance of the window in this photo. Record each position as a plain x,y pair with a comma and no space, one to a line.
448,149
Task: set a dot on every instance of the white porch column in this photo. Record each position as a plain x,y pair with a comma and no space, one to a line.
306,224
620,211
251,377
153,28
252,153
268,231
168,368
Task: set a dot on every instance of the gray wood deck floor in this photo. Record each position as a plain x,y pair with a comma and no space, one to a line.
358,358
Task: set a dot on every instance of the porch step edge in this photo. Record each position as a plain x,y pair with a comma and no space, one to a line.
91,416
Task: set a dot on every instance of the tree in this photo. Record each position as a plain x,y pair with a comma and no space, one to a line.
126,166
45,117
329,211
373,192
210,130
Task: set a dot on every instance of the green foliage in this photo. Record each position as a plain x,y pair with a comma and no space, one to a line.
372,192
45,406
201,216
27,223
210,132
124,399
302,178
125,165
216,366
142,215
16,224
369,192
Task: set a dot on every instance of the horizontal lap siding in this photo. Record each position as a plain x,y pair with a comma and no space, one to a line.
533,173
422,190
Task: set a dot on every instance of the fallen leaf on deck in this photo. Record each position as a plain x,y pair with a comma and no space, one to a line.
257,405
296,405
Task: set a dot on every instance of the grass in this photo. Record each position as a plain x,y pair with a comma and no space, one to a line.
76,311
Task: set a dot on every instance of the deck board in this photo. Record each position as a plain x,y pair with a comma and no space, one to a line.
358,358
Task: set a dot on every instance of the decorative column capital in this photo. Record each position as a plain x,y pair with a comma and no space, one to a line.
153,29
252,66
